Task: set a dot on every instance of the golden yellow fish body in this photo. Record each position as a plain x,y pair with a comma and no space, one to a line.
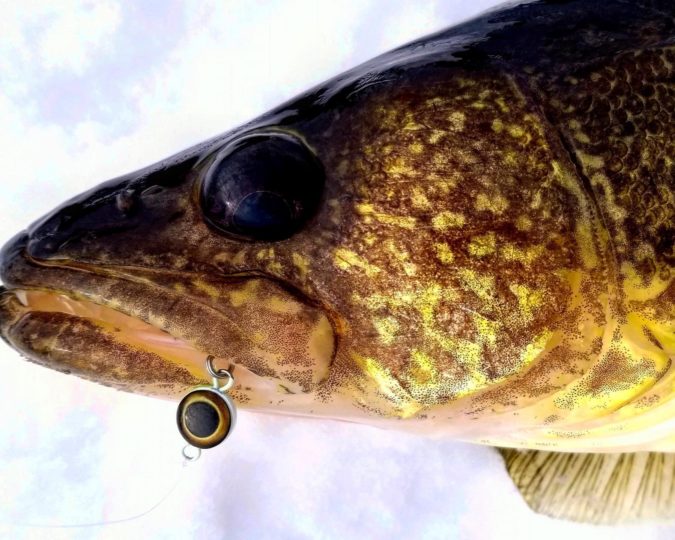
492,257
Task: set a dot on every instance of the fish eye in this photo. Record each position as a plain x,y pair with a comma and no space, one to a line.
262,187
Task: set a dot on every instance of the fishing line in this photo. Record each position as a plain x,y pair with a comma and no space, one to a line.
205,418
188,459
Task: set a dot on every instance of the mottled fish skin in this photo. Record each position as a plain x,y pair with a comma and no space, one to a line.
493,257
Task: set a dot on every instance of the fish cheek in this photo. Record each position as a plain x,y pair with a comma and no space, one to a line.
460,233
283,339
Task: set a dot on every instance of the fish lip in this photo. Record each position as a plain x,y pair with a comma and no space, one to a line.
17,249
150,372
133,274
7,293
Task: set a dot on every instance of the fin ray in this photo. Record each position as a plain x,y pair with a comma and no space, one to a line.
595,488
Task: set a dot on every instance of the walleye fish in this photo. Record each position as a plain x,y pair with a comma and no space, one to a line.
470,236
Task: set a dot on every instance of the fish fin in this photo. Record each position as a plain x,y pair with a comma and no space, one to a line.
595,488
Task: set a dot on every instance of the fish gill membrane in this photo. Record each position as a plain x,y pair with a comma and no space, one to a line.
469,236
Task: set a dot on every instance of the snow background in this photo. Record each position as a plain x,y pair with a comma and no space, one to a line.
92,90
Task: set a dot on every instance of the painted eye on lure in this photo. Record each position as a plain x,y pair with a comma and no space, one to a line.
262,187
206,415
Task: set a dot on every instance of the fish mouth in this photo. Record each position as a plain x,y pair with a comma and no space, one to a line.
149,331
58,331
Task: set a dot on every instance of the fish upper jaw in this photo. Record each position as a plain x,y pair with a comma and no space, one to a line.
149,330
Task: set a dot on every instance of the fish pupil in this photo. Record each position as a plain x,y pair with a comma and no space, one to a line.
201,419
262,211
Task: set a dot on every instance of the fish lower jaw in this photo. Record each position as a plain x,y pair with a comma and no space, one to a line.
100,343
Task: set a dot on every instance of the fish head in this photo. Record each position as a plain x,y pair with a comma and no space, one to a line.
401,237
134,283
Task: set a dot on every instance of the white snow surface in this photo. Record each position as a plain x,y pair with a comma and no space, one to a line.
92,90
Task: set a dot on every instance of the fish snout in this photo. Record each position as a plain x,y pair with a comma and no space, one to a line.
82,225
10,254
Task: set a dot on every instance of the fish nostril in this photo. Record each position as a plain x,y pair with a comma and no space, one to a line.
127,202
